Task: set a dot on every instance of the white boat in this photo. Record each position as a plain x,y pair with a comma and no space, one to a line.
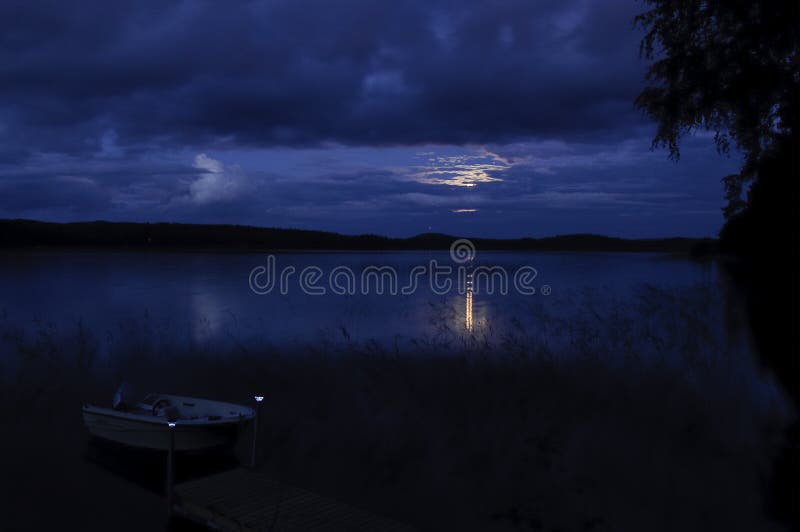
198,424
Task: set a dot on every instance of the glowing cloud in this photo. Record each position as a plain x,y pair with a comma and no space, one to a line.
216,182
459,170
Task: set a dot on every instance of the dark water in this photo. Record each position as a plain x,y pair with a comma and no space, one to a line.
607,429
614,306
198,298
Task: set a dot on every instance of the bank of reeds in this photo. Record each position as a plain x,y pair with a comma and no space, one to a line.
610,421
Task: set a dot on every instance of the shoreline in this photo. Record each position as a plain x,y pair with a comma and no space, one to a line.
26,234
433,442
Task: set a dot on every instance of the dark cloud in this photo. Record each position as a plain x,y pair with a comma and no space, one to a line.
310,113
355,72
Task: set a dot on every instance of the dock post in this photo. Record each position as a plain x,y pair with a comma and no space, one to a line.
170,469
256,423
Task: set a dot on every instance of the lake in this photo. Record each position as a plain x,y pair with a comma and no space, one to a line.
596,375
395,300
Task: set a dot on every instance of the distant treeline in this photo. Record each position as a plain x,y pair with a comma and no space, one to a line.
164,236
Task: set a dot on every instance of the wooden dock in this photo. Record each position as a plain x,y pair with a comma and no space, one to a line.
243,500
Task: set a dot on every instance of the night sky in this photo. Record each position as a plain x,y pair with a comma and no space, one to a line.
476,118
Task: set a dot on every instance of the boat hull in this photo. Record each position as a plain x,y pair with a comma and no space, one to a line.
156,435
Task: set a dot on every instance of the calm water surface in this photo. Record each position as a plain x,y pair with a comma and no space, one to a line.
586,304
206,297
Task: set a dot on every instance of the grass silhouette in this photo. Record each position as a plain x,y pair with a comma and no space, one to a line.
579,429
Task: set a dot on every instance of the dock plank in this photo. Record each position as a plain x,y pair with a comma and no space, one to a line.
243,500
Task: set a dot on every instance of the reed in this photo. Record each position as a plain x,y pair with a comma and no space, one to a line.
611,421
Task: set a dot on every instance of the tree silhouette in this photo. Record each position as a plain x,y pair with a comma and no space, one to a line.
733,67
729,66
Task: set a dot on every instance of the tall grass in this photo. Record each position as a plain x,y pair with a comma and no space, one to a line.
642,416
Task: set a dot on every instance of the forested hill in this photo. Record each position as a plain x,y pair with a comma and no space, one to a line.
166,236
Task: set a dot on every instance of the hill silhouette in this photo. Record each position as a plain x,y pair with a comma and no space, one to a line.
166,236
